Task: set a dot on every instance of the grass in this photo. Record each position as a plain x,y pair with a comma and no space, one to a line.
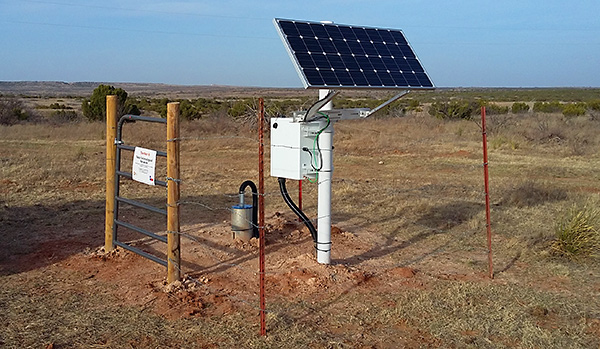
412,187
577,233
472,314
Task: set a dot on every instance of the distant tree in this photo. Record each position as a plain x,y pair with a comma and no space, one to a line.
94,108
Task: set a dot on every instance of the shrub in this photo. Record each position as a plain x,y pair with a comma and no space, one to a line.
495,109
12,111
519,108
574,109
242,107
577,233
94,108
547,107
594,105
453,110
414,105
188,110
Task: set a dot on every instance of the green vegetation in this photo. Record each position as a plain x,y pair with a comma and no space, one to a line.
94,108
519,108
241,107
495,109
574,109
509,94
577,233
453,110
547,107
594,105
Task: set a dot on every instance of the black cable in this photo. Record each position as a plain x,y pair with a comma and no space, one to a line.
288,200
323,115
252,186
311,158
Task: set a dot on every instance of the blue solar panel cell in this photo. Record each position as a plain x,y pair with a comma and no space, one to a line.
342,47
313,76
334,32
329,55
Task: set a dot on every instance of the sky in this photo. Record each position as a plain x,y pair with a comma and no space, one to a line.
467,43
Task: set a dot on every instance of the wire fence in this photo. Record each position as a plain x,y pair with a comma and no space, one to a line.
220,258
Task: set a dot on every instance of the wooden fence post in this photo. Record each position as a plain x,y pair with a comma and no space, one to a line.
111,153
173,181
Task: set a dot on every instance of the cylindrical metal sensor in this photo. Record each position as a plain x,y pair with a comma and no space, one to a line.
241,222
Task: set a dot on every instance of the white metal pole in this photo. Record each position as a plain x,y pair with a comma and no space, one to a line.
324,190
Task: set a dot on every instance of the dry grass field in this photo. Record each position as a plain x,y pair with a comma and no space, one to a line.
409,243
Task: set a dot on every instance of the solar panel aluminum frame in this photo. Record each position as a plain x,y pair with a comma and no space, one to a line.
290,52
304,79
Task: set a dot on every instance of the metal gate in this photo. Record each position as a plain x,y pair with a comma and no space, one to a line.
171,212
119,199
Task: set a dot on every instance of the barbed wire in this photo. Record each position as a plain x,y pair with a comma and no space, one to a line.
208,138
226,258
212,290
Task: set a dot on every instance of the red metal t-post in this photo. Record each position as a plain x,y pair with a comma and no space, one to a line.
487,194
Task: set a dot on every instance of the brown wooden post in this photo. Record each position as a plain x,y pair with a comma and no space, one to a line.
111,153
173,181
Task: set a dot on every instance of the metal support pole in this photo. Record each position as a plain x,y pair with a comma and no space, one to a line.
173,238
300,195
111,153
487,195
261,213
324,190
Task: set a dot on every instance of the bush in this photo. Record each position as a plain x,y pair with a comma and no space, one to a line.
594,105
242,107
519,108
547,107
574,109
577,233
413,105
94,108
453,110
495,109
12,111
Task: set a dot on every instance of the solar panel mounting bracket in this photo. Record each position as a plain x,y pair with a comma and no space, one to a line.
336,114
314,109
341,114
391,100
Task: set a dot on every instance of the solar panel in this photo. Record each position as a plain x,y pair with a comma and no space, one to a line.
329,55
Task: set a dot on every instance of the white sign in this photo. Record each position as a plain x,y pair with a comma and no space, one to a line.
144,163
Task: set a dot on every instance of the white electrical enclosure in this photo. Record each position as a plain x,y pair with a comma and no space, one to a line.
294,153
